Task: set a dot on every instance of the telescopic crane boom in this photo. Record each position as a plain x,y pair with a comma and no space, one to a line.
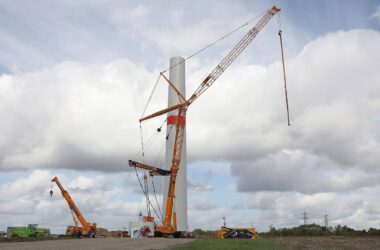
168,228
87,228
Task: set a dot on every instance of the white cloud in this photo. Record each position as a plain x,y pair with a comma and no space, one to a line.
300,171
85,183
324,87
285,208
182,28
55,117
186,38
194,185
84,117
376,14
334,97
71,114
202,203
131,17
207,219
27,200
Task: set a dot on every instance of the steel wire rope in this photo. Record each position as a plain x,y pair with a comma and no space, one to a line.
156,160
168,133
151,95
155,197
145,191
142,144
215,42
148,142
140,150
196,53
146,188
154,189
147,196
283,68
154,136
155,86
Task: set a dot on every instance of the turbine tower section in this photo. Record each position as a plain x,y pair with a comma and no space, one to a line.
177,77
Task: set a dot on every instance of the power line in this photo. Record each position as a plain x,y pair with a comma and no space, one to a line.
326,219
304,217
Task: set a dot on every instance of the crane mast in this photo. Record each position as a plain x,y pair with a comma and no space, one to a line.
87,229
221,67
167,228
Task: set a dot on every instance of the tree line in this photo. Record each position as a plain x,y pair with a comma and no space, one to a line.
318,230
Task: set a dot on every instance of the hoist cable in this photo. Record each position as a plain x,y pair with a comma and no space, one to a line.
147,197
198,52
168,133
283,69
215,42
142,144
146,188
148,142
159,155
151,94
151,139
155,197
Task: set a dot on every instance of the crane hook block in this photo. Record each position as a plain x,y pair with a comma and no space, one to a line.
159,130
51,193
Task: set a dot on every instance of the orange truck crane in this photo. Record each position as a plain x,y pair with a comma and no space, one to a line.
87,229
169,228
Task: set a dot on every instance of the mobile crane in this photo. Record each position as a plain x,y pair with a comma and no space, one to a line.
168,228
87,229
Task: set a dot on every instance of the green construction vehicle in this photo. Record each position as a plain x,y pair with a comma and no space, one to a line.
27,232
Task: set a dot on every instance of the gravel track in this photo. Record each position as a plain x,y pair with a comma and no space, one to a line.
95,244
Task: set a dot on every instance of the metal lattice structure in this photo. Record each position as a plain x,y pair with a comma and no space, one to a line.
168,228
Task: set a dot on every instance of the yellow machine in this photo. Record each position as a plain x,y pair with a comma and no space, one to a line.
236,233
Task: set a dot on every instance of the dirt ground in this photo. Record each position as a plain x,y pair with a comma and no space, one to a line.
95,244
336,242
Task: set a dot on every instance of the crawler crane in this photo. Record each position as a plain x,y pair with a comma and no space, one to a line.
169,227
87,229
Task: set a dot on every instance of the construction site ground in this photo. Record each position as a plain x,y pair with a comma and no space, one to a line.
289,242
94,244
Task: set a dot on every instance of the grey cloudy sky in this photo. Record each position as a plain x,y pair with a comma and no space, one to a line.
76,75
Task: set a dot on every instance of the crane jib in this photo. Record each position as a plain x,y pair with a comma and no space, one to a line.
169,227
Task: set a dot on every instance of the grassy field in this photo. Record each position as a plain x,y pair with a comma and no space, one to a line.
262,244
295,243
328,242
